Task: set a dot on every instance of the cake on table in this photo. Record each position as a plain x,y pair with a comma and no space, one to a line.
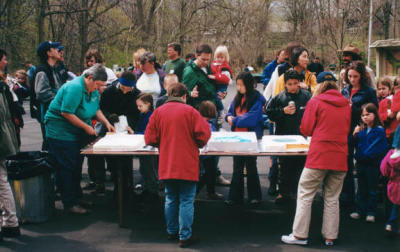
233,142
285,143
120,142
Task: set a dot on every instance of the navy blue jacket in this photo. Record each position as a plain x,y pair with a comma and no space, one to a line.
269,69
142,123
363,96
252,119
371,146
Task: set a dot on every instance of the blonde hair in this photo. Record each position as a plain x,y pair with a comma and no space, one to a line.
170,79
222,50
136,56
325,86
23,73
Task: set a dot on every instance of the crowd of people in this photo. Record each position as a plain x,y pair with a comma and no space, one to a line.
176,106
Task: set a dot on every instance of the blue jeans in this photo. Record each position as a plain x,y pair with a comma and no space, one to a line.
393,217
68,170
396,139
179,207
366,201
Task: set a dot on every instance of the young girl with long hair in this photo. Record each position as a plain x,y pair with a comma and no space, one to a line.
371,146
245,115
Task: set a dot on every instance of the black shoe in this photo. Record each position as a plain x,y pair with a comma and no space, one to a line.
272,189
100,189
172,237
89,186
215,196
10,231
280,199
188,242
232,203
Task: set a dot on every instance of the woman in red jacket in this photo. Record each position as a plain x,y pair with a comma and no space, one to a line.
326,161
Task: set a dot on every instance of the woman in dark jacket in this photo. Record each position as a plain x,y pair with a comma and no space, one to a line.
357,93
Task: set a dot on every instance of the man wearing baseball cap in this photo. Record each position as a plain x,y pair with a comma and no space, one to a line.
351,53
46,80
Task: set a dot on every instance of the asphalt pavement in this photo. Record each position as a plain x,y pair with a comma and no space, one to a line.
219,227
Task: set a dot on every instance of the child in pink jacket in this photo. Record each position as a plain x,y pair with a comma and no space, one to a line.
390,168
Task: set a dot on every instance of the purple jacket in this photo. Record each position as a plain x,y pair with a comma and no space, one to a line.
390,168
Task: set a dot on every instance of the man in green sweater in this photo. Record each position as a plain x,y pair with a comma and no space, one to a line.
175,65
195,77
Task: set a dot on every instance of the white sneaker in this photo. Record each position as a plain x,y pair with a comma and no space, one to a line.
388,228
355,216
370,218
222,181
290,239
395,154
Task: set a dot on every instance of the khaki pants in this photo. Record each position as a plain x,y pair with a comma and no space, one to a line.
309,184
7,203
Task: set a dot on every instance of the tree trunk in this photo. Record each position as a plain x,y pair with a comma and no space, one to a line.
40,18
83,32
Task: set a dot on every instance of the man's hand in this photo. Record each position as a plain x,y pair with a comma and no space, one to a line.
221,95
211,76
194,93
289,110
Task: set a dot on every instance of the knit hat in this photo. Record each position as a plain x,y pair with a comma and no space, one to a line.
126,82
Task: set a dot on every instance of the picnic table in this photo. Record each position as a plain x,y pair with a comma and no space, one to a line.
123,180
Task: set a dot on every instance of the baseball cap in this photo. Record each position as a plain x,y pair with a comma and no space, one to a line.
325,76
60,48
46,46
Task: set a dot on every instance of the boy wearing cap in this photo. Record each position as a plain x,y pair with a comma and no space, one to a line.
46,80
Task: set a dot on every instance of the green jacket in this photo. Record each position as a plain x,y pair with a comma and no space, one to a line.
192,76
8,136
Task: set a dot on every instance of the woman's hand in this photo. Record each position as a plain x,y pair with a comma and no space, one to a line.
110,128
212,77
129,129
397,116
303,85
90,131
230,120
356,130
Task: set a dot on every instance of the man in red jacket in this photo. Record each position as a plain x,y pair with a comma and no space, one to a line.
178,130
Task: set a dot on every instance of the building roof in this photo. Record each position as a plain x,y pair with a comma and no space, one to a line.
392,43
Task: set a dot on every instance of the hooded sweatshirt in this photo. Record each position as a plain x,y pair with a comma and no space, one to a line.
390,168
327,119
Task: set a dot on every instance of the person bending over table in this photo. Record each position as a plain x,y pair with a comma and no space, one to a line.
68,127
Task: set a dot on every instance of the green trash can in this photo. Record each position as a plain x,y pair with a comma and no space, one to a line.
31,178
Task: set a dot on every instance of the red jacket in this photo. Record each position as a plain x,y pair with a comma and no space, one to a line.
390,124
396,102
217,69
178,130
327,119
